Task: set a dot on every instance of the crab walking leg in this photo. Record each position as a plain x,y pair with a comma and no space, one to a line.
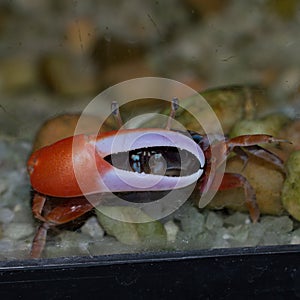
65,211
231,181
243,155
69,210
252,140
243,144
209,178
234,180
39,241
260,152
38,203
266,155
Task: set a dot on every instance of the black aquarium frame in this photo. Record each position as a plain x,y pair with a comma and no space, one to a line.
256,272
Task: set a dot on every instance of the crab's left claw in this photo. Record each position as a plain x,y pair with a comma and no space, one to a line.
103,163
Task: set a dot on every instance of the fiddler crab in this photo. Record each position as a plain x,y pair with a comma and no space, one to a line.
59,199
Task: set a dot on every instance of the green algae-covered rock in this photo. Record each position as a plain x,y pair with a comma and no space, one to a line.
270,124
291,187
143,231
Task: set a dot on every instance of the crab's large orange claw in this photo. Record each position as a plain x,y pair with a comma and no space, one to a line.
51,168
77,165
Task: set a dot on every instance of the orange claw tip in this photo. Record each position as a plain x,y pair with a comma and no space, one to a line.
51,167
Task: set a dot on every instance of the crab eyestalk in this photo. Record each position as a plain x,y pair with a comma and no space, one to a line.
116,112
174,107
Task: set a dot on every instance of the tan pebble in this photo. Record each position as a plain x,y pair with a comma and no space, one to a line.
266,180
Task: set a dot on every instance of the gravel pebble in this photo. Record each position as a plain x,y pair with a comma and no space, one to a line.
18,231
6,215
93,229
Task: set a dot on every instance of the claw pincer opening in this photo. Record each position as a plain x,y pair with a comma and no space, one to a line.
150,159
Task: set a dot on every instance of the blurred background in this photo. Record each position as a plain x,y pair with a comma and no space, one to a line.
56,56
